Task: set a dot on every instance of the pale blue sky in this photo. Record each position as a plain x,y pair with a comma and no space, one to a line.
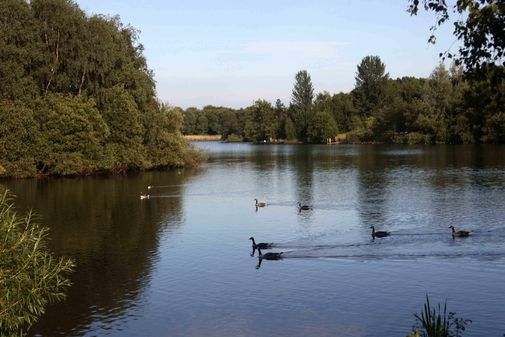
233,52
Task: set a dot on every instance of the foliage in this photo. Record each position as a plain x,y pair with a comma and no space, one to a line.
262,125
301,103
322,127
77,97
18,135
451,106
30,276
480,26
437,322
371,83
71,135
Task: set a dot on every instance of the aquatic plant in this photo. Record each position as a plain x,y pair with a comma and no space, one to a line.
437,322
30,276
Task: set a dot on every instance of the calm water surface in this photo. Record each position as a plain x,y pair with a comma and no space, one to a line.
179,263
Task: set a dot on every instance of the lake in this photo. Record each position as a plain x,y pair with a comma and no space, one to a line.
179,263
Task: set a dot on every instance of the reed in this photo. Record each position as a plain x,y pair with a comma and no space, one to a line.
437,322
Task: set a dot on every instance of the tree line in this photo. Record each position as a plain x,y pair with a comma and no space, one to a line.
451,106
77,97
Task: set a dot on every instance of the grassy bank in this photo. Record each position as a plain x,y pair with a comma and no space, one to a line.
202,138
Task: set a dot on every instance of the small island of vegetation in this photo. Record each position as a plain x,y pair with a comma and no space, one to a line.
77,97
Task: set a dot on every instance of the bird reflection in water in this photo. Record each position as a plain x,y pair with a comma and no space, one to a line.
267,256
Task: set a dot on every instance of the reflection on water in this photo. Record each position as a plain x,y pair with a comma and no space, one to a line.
179,263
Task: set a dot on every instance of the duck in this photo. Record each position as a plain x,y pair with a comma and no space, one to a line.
459,234
144,196
303,207
260,204
149,187
269,256
379,234
262,245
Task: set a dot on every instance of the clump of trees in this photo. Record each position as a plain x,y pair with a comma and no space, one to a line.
451,106
30,276
77,97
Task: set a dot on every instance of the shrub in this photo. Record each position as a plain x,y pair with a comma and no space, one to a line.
30,276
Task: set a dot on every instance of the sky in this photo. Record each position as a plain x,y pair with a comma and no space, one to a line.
231,53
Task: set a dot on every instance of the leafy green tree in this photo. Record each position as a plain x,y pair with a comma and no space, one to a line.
164,143
18,139
19,38
189,122
202,124
484,101
322,127
289,129
340,106
72,135
124,148
31,277
301,102
480,25
371,83
229,123
434,118
262,125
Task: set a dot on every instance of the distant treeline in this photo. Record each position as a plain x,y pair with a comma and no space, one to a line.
450,106
76,96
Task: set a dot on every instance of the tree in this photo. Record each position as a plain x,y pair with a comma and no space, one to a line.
72,135
371,82
301,101
262,125
482,29
124,150
31,277
323,126
18,137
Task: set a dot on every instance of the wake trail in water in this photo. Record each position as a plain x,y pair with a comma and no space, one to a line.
320,246
295,255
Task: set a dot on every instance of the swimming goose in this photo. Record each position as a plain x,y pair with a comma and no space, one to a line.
379,234
144,196
459,234
269,256
260,204
303,207
262,245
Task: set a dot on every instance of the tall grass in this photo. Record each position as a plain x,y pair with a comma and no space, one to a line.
437,322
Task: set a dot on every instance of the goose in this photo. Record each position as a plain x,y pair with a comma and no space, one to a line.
260,204
379,234
269,256
459,234
303,207
262,245
144,196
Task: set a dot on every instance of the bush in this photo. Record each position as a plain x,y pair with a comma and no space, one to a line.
234,138
30,276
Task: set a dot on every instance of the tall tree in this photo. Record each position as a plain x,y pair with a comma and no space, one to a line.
301,102
480,26
371,83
